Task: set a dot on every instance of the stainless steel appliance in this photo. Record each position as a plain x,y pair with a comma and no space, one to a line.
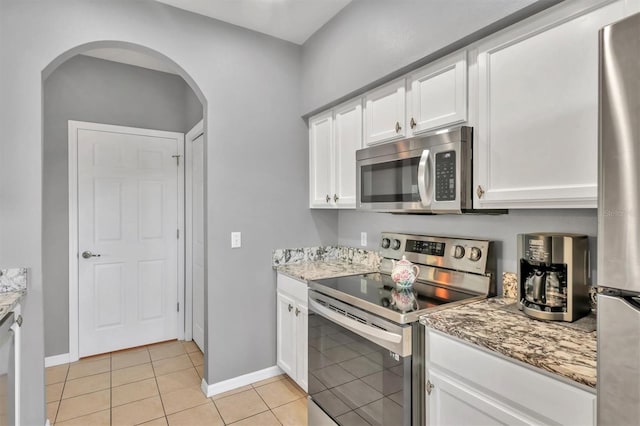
619,224
554,276
366,348
430,174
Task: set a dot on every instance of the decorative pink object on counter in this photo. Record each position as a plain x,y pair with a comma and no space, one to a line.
404,273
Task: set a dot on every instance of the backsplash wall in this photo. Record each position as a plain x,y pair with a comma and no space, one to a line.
499,228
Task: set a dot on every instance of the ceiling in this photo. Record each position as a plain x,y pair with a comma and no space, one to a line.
291,20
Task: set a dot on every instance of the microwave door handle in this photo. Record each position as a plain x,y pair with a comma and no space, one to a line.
424,177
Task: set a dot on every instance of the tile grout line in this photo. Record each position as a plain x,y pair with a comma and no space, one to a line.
155,378
265,402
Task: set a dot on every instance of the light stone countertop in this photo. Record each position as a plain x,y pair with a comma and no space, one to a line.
314,263
308,271
550,346
13,285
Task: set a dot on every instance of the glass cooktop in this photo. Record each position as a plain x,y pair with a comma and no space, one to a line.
377,293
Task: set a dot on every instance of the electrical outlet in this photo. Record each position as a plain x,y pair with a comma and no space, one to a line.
236,239
363,239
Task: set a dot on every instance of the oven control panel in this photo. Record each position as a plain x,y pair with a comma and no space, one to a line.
460,254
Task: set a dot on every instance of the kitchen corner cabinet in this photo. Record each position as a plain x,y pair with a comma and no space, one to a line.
385,113
292,317
438,94
468,385
334,138
536,136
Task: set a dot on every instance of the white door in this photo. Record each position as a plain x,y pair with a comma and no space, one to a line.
286,335
197,239
127,238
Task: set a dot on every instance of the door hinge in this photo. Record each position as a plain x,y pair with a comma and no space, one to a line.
178,234
429,387
177,157
178,306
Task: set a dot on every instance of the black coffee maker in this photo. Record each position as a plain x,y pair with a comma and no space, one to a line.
553,276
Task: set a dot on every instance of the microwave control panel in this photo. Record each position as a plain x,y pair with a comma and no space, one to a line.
445,181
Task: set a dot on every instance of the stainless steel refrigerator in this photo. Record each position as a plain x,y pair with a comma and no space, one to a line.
619,225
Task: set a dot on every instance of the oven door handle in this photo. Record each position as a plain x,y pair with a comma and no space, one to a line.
355,326
424,178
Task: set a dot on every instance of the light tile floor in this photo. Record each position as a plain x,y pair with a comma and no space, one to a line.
160,385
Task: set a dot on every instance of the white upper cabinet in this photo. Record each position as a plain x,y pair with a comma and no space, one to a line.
334,138
385,113
347,140
536,136
438,96
320,160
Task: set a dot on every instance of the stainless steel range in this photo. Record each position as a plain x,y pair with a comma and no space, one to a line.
365,344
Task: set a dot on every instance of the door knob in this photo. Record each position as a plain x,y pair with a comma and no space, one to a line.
88,255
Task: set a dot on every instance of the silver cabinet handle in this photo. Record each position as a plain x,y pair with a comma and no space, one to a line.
328,198
398,127
297,311
413,123
480,191
335,198
88,255
290,307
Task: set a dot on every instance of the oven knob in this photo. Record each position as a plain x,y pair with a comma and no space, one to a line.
396,244
457,252
386,243
475,254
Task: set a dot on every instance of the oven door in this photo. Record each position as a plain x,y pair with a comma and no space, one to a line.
359,366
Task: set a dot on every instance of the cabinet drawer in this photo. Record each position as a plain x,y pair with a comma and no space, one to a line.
543,397
293,287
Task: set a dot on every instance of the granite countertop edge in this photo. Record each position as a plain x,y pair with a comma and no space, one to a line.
314,270
8,302
570,357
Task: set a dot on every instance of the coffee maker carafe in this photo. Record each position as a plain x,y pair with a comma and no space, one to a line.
553,276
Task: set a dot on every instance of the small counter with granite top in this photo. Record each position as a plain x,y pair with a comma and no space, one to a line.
324,262
13,286
551,346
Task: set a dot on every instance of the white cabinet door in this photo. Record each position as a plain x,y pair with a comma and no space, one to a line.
385,113
438,95
321,161
537,133
347,140
286,335
453,403
302,349
472,386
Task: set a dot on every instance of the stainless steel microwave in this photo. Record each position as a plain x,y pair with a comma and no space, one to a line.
430,174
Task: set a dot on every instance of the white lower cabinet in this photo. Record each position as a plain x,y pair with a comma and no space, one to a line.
470,386
292,314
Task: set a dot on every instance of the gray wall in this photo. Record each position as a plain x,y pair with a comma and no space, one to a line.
499,228
256,160
90,89
371,39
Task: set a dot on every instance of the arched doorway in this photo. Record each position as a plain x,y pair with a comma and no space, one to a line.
50,70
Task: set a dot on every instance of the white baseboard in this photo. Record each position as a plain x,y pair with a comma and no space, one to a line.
236,382
52,361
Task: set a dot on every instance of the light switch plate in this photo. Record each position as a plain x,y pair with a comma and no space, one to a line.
363,239
236,239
